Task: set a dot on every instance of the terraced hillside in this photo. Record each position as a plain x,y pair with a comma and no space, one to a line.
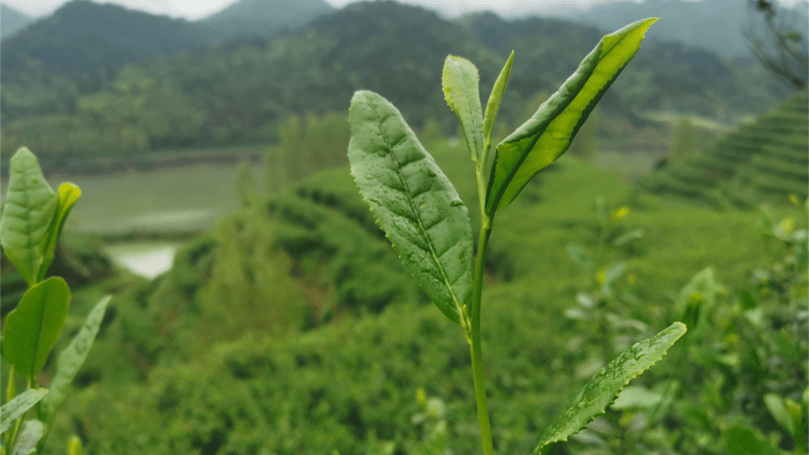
767,159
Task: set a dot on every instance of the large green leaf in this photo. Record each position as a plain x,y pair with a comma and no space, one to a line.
66,196
602,389
548,133
34,326
742,440
28,213
412,201
460,80
17,407
72,358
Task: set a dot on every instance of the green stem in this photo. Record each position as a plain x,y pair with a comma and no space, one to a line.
475,345
12,436
12,389
10,394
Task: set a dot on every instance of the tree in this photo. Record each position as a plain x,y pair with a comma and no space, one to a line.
775,40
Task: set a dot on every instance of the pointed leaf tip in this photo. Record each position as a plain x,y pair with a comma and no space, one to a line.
460,81
28,213
493,104
548,133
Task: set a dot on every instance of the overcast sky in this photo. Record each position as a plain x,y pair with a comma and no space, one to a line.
195,9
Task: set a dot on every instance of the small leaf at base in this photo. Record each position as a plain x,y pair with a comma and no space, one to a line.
72,358
602,389
12,410
32,431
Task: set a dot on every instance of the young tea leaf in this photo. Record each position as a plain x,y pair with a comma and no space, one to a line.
412,201
33,327
493,105
779,411
460,80
28,213
696,299
602,389
548,133
72,358
12,410
66,196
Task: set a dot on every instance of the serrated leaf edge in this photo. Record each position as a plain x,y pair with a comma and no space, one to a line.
538,450
455,298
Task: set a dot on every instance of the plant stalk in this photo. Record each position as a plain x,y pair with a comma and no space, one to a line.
475,345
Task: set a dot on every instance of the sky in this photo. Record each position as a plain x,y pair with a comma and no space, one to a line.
196,9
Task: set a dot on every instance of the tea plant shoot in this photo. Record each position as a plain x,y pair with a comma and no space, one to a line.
429,226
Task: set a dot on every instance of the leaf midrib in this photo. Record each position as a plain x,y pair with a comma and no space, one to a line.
474,119
530,148
378,122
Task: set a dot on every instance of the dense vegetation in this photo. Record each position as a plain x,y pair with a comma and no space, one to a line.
240,92
293,327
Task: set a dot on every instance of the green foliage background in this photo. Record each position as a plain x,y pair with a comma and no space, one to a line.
293,327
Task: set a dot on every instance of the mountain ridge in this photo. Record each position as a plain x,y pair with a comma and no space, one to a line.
241,91
264,17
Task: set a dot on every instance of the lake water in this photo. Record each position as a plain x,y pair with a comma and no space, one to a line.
175,199
147,259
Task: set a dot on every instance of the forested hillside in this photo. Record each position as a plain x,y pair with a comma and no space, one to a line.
241,91
247,18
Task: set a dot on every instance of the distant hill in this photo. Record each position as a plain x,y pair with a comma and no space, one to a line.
264,17
662,76
718,25
12,21
83,36
242,91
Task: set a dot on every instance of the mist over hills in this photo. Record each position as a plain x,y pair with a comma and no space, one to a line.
717,25
83,36
12,21
264,17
